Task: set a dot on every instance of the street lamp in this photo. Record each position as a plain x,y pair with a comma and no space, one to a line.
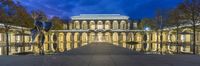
146,28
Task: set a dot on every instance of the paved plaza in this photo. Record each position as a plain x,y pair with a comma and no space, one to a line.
101,54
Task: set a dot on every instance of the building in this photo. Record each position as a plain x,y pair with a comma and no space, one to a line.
112,28
117,29
100,25
97,28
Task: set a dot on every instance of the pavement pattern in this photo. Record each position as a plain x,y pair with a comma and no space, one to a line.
101,54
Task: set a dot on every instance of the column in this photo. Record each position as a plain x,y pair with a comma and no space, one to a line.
127,25
65,41
55,43
95,24
80,25
79,39
111,24
118,22
119,38
111,35
88,25
103,25
72,40
88,36
126,38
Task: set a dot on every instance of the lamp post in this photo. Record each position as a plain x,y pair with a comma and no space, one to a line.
161,36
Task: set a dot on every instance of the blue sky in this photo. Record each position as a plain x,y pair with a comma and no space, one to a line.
135,9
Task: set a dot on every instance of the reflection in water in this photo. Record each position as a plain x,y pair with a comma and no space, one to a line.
167,48
68,45
76,45
141,47
149,48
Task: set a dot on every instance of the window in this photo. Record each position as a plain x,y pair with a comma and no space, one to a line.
107,25
92,25
100,25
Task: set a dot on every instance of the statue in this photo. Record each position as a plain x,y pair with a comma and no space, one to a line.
41,27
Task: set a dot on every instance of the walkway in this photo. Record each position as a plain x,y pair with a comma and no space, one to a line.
101,54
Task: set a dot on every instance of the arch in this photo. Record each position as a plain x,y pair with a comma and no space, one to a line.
138,37
123,39
165,36
187,36
107,25
92,25
46,43
115,38
154,36
61,42
84,25
186,39
107,37
172,36
77,25
123,25
76,40
69,41
100,37
92,37
115,25
187,29
84,39
99,25
130,37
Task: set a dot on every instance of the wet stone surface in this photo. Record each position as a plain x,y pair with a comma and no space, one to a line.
101,54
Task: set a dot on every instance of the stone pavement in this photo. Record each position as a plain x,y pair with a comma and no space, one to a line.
101,54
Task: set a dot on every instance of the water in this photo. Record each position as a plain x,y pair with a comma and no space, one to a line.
152,48
148,48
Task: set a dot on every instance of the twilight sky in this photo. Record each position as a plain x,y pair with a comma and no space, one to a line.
135,9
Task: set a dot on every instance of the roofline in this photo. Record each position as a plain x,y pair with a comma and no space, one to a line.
99,17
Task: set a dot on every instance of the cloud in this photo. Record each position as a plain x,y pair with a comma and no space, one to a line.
132,8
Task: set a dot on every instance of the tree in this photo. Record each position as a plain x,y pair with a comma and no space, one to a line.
191,9
6,17
176,20
57,23
161,22
39,15
146,22
23,18
6,12
13,14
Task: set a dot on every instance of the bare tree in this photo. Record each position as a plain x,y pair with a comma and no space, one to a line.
161,21
176,20
191,9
